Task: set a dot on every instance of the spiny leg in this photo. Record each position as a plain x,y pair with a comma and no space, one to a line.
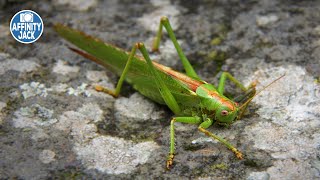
207,123
189,120
186,64
163,89
116,92
170,101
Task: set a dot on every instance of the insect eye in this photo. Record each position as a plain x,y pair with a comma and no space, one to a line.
224,112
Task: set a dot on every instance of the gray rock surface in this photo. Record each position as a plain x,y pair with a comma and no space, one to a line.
53,124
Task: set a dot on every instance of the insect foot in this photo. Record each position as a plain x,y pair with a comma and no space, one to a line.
170,161
105,90
139,45
237,153
164,19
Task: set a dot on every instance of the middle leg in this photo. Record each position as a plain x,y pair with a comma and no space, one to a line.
189,120
207,123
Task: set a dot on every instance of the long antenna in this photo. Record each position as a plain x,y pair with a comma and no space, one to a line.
265,87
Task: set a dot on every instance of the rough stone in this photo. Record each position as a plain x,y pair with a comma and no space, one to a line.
34,89
47,156
136,107
80,90
151,21
265,20
258,176
292,109
17,65
33,116
97,76
81,5
105,153
168,54
5,30
56,126
63,69
114,155
2,105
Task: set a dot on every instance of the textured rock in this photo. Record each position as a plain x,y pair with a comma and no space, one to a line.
7,63
265,20
151,21
291,133
54,125
81,5
47,156
33,116
34,89
136,107
107,154
62,68
258,176
114,155
2,105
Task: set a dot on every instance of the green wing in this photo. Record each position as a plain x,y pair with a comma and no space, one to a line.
139,75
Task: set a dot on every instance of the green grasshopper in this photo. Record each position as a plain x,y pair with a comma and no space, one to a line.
191,99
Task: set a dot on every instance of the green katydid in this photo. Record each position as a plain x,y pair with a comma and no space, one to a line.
192,100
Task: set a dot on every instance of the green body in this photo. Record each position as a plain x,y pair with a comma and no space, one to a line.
192,100
139,75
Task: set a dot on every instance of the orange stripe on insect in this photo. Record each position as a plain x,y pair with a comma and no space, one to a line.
222,100
191,83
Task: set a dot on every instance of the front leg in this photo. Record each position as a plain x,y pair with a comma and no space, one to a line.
189,120
207,123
